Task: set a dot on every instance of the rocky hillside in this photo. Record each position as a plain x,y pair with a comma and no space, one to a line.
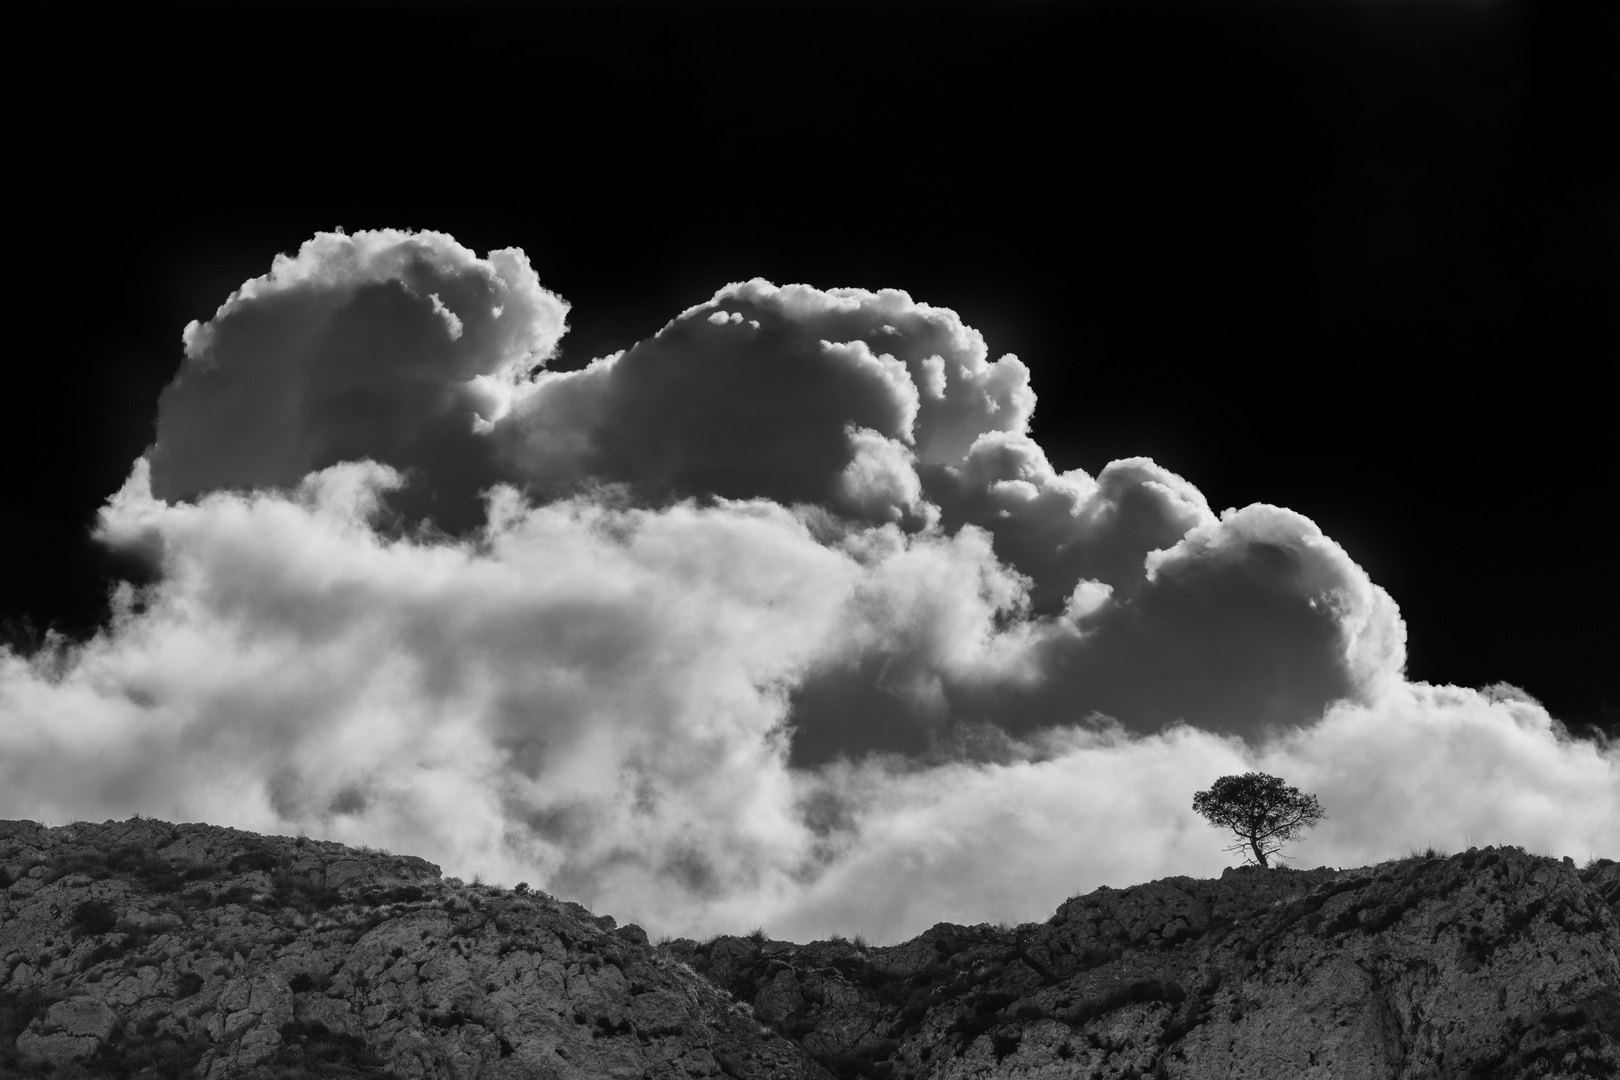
141,948
188,950
1492,963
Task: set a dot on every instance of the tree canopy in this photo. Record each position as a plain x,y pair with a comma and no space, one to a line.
1261,810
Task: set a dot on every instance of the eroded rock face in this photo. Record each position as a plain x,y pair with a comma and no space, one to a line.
194,950
190,948
1493,963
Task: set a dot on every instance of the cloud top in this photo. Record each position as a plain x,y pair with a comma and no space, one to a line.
386,346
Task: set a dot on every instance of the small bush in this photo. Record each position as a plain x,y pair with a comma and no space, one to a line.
146,1052
993,1002
865,1063
17,1010
93,917
969,1027
236,894
151,872
302,894
112,950
92,864
1094,956
402,894
1145,990
1522,917
359,928
256,859
1177,1029
187,984
310,1049
1002,1045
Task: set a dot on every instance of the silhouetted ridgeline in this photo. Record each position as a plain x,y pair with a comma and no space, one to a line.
190,950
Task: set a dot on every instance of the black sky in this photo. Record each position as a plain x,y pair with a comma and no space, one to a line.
1356,259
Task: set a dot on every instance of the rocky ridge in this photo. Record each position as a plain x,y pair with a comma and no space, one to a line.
1491,963
141,948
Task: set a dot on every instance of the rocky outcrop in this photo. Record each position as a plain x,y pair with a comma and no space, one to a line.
189,950
1491,963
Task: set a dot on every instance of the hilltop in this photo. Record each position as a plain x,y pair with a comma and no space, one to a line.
144,948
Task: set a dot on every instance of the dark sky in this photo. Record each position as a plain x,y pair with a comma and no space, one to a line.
1359,260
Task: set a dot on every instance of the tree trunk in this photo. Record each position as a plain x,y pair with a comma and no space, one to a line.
1259,852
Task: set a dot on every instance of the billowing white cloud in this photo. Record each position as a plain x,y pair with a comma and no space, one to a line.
1076,808
779,617
391,346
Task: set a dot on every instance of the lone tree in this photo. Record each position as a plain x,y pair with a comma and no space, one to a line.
1263,811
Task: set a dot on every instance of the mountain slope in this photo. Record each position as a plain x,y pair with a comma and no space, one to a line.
139,947
1490,963
196,950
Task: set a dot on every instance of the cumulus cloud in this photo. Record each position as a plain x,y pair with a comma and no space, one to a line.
778,617
388,346
792,394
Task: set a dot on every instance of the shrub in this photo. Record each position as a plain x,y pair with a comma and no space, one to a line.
864,1063
302,894
92,864
1197,1013
1130,994
1093,956
149,1052
187,984
994,1002
17,1009
310,1049
1002,1045
236,894
112,950
255,859
149,871
401,894
359,928
94,917
969,1027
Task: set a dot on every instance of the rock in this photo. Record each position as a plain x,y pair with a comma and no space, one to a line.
258,957
58,1049
249,956
1486,963
82,1016
72,1030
